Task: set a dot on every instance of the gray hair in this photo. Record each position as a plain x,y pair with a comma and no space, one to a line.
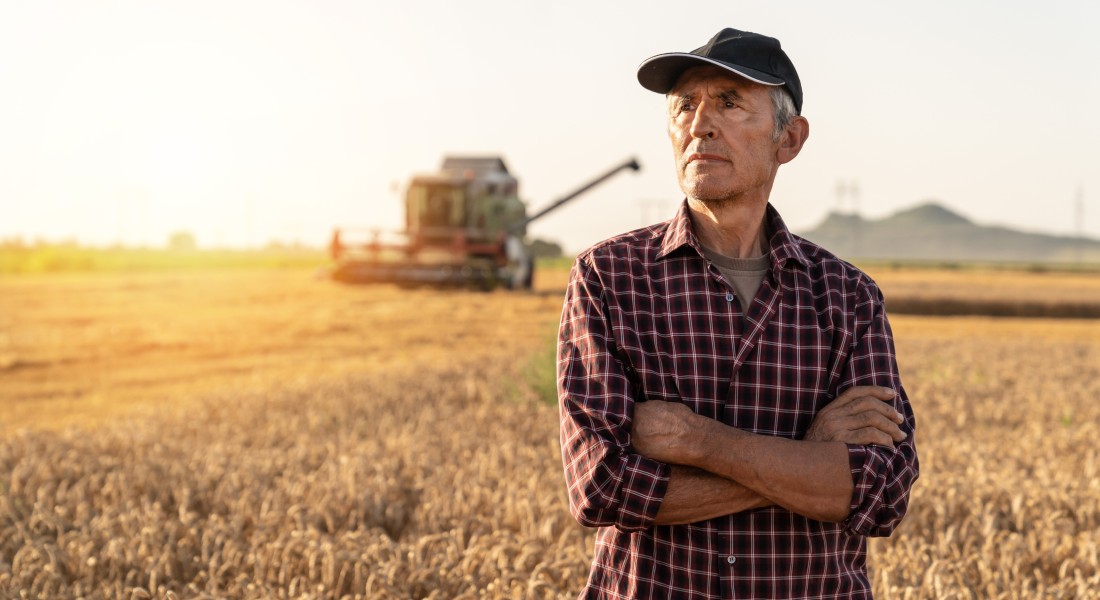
783,107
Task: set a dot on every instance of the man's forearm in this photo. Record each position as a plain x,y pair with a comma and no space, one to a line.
696,495
810,478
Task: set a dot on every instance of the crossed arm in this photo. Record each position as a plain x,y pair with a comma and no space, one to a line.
631,463
719,470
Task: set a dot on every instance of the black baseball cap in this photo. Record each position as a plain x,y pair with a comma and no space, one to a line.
753,56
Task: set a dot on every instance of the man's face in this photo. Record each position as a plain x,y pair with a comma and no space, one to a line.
721,127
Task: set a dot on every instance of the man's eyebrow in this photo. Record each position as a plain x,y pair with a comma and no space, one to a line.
730,94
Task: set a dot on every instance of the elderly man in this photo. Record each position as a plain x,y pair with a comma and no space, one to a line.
732,419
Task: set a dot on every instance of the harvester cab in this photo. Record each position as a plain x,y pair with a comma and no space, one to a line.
473,194
464,225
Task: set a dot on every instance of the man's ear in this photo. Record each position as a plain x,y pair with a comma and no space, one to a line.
792,139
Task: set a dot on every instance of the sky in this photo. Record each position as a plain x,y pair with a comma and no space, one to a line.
244,122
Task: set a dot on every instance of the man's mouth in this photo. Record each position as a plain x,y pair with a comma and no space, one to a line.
705,157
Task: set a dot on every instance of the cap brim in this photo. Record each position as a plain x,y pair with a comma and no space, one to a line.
659,73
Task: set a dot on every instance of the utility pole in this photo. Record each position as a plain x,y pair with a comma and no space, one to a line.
857,221
851,189
1079,214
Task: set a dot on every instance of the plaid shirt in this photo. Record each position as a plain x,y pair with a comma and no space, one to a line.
646,316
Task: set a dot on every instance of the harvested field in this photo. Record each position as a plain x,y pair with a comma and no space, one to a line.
79,348
295,439
984,291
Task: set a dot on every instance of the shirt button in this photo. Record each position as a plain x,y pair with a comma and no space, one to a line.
731,559
729,298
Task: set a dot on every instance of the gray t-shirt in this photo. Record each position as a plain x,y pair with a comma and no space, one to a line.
744,274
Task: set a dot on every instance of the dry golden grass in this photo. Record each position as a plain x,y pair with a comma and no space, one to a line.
283,449
1009,500
427,484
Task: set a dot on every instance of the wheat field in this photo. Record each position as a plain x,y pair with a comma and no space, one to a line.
276,436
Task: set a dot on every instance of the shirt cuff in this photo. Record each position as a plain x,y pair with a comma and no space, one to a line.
644,484
864,464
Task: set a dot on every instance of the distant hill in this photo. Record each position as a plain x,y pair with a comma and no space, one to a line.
932,231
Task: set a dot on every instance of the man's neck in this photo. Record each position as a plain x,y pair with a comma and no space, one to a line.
732,229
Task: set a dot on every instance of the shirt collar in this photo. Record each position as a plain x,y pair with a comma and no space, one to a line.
783,245
678,233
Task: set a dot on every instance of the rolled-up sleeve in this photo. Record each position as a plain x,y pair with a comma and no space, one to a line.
882,477
608,484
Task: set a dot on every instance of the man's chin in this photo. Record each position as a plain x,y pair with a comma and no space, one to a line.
709,194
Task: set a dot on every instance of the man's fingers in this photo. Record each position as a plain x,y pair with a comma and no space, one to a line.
873,405
853,394
854,405
861,414
868,436
882,423
870,412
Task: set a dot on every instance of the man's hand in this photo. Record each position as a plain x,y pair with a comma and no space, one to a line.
663,431
667,431
809,477
861,415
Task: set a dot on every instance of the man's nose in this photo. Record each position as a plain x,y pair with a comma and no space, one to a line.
702,122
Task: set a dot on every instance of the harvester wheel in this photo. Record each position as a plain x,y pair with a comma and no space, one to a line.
529,277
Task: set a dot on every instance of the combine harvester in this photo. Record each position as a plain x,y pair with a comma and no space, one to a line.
464,226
